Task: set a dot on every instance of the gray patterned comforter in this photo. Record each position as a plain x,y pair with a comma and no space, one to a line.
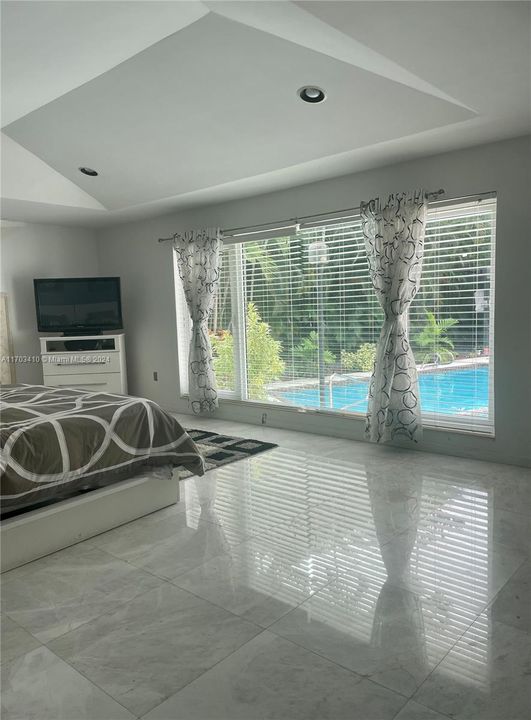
58,441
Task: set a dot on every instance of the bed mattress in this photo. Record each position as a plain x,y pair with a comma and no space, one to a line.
56,442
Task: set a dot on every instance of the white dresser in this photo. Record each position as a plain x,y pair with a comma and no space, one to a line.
94,362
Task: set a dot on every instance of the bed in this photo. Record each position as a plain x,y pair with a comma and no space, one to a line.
70,449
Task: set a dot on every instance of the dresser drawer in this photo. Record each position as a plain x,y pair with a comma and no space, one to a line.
76,363
98,382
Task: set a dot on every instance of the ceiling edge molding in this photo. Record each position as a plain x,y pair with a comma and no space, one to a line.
295,24
27,177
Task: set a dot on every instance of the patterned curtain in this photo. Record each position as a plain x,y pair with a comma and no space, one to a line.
199,262
394,241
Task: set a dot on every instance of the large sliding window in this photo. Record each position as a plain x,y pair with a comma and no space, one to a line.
296,320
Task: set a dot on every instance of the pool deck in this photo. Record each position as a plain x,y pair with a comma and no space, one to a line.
344,378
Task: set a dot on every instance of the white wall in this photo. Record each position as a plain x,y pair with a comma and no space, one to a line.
145,267
28,251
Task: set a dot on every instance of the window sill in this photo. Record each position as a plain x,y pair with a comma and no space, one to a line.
488,432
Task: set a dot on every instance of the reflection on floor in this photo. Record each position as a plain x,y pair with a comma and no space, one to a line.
323,579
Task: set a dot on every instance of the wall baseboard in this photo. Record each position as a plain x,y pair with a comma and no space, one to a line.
444,442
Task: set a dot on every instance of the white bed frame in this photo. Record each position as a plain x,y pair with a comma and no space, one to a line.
40,532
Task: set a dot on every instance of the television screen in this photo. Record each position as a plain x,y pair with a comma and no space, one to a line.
78,305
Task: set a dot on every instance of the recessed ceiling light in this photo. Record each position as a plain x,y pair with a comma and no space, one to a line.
88,171
311,94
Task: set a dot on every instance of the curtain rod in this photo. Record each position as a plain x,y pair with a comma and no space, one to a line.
284,224
311,217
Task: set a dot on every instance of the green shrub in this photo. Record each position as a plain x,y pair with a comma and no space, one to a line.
263,356
223,351
434,341
361,360
307,355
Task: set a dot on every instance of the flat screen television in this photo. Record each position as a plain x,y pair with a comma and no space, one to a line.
78,306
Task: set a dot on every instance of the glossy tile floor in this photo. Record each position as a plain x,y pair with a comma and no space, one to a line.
325,579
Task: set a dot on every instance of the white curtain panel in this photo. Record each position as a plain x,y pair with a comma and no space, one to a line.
199,262
394,241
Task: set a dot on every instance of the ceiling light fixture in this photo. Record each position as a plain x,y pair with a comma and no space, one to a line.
88,171
311,94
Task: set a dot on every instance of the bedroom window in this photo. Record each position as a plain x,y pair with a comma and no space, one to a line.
296,320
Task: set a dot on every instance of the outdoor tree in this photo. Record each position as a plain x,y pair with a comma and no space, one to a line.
433,338
306,355
264,364
279,281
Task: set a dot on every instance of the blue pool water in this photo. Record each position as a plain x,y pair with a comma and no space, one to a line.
450,392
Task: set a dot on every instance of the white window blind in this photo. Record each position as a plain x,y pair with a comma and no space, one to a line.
296,320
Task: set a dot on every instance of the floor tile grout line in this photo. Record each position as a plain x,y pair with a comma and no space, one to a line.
242,617
206,671
15,622
408,698
477,615
443,715
338,664
312,652
461,636
76,670
491,602
400,709
258,628
21,627
45,644
119,604
152,572
454,645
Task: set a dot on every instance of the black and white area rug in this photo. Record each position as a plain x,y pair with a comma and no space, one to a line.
223,449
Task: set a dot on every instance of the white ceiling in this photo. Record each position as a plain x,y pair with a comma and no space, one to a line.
181,103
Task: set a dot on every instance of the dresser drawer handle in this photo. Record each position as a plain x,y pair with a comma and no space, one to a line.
81,364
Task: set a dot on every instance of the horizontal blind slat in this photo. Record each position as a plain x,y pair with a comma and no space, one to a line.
278,278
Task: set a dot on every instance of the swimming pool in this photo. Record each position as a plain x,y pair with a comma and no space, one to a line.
450,391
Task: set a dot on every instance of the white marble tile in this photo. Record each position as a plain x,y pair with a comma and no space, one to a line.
512,530
414,711
62,591
253,495
271,678
382,631
168,544
263,578
394,555
484,677
512,605
15,640
269,490
152,646
40,686
365,504
511,488
456,554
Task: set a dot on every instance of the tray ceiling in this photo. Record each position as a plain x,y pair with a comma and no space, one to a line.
183,103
